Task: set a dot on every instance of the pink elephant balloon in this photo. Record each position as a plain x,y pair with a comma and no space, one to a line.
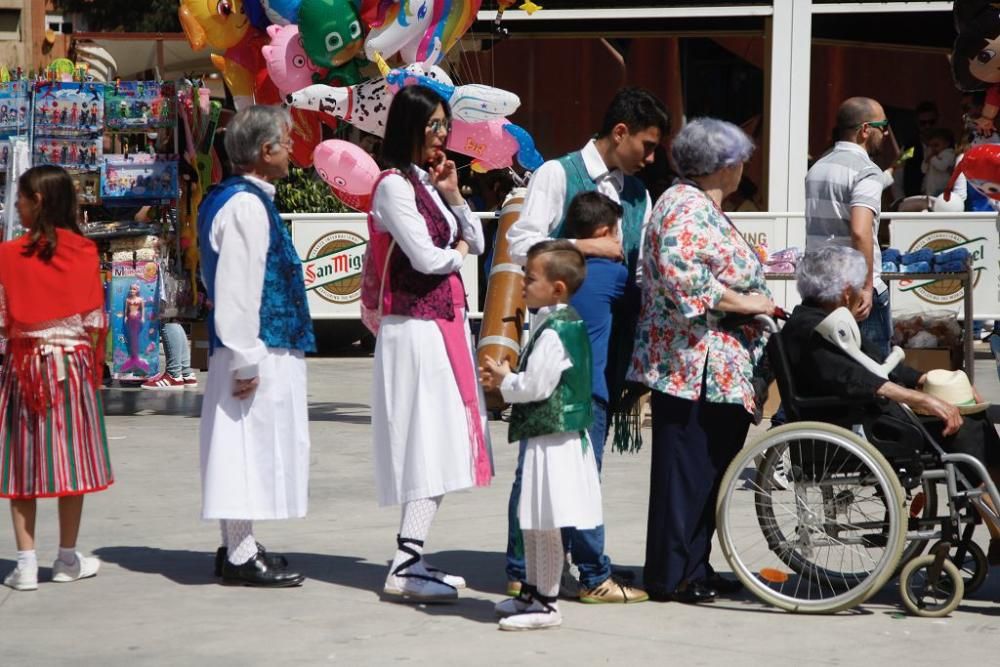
287,64
348,170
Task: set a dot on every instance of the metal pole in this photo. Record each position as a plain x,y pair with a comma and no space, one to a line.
970,357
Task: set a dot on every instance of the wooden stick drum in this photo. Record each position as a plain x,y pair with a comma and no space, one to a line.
504,311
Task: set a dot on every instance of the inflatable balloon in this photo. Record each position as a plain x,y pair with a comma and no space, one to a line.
332,36
471,102
348,170
255,12
486,143
365,106
282,12
220,24
974,59
981,166
527,155
287,64
420,31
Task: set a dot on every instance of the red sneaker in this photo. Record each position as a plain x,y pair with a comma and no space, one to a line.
163,381
190,381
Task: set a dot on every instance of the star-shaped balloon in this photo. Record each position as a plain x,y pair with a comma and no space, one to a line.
530,7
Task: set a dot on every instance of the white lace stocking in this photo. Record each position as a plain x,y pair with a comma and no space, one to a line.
237,537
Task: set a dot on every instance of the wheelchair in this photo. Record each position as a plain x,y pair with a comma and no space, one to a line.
850,512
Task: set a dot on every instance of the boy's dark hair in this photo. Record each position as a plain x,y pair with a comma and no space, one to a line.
406,125
942,133
561,261
638,109
588,211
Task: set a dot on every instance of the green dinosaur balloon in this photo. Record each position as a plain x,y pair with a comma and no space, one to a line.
332,35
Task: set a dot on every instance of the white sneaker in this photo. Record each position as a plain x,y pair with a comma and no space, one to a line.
539,616
22,580
452,580
512,606
418,589
84,567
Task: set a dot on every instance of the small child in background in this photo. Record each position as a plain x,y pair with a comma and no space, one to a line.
551,393
938,161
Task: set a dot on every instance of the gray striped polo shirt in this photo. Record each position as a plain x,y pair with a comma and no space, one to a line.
840,180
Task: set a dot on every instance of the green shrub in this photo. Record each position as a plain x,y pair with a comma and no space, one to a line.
304,192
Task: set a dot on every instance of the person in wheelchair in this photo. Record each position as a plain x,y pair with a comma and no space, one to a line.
820,341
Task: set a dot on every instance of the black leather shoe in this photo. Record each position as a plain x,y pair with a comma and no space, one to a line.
722,585
277,561
256,572
694,593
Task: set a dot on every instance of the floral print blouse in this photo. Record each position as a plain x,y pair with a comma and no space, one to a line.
691,254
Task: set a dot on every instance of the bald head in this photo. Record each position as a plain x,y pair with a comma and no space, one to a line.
853,112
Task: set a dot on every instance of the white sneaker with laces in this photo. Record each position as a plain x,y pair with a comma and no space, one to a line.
83,568
539,616
22,580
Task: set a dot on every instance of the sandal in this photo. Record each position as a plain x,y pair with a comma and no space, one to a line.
415,585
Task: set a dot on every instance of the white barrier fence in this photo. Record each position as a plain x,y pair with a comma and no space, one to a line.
331,247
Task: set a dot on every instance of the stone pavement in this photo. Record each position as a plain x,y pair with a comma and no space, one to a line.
155,601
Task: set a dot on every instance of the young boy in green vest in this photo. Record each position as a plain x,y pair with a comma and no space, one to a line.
551,413
634,124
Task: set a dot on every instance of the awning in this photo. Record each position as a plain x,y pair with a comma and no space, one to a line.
168,54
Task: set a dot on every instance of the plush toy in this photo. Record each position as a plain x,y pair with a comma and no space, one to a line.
975,59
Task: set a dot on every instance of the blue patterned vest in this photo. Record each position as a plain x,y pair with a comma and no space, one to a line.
633,200
284,312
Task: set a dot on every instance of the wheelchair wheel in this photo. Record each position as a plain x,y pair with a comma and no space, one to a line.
828,538
928,590
973,568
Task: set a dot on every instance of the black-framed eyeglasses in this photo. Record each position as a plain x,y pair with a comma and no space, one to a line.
438,125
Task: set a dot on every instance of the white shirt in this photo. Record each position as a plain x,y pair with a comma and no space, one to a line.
394,210
542,211
545,366
241,235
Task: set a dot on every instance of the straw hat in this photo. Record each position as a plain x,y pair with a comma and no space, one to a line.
953,387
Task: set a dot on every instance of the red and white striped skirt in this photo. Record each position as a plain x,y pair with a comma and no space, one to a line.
61,450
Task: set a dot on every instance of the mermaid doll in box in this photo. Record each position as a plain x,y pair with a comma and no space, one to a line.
135,320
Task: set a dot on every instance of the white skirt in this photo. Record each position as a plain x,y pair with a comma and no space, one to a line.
420,434
255,453
560,486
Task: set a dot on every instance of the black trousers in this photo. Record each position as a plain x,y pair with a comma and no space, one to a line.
693,444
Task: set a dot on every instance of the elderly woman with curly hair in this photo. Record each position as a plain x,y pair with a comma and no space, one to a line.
697,270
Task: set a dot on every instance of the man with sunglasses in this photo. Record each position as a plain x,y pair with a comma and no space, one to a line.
844,202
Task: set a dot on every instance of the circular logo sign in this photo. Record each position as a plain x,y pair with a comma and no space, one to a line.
941,291
333,264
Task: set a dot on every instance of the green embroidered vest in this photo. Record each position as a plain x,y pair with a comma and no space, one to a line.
633,200
568,408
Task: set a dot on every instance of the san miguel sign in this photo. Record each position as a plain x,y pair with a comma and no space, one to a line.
332,267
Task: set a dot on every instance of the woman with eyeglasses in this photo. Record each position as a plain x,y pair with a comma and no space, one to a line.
428,412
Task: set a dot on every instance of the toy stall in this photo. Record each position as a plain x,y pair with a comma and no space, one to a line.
121,144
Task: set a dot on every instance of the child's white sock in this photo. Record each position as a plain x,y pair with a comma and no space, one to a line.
27,560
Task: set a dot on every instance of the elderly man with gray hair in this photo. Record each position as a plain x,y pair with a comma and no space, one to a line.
697,268
254,419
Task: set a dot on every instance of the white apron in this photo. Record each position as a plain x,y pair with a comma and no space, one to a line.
255,452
